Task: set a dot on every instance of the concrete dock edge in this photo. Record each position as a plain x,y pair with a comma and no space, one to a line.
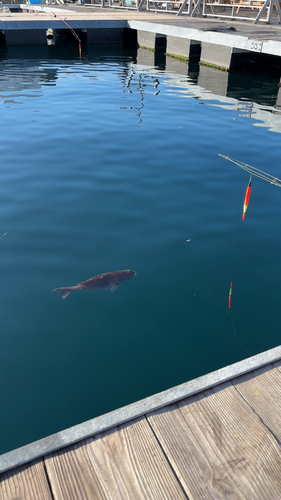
96,425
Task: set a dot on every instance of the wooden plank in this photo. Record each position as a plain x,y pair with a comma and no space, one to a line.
123,463
193,468
219,448
277,365
263,393
243,446
70,475
28,482
143,467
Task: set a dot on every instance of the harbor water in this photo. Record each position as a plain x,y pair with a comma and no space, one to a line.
111,163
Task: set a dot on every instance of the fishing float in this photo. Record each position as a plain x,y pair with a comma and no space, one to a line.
229,313
247,198
230,296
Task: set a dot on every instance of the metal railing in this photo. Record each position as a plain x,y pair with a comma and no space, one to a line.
249,10
256,10
118,4
171,6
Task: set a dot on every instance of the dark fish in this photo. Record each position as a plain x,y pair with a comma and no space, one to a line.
101,281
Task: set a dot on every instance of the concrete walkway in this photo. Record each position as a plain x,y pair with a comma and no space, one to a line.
219,44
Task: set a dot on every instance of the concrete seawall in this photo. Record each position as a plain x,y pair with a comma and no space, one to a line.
216,43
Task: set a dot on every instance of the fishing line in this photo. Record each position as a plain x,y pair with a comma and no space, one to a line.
72,31
230,317
255,171
69,27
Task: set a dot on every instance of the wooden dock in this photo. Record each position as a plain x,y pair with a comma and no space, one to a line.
219,443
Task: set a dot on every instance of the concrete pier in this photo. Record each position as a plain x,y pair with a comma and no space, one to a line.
25,37
221,56
221,45
104,35
152,41
183,47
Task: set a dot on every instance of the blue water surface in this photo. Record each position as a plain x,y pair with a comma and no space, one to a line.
107,164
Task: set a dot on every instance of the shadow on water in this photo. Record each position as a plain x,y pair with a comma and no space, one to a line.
260,86
33,52
3,54
113,51
68,52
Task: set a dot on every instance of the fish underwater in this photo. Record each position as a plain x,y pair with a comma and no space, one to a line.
101,281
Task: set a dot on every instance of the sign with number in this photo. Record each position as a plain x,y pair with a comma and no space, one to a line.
255,45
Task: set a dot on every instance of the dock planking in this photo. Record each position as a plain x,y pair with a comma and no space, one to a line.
222,443
123,463
25,483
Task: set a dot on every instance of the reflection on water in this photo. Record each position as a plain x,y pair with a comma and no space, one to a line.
249,89
260,86
111,163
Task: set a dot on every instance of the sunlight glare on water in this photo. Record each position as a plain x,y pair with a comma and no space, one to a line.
111,164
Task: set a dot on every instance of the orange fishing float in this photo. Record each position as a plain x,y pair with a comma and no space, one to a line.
247,198
230,296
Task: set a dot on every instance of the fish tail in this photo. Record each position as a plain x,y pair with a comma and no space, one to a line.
64,291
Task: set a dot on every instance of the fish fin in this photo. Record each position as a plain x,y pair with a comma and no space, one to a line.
113,288
64,291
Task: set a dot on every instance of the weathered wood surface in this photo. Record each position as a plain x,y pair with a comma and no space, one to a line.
263,394
125,463
28,482
220,444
